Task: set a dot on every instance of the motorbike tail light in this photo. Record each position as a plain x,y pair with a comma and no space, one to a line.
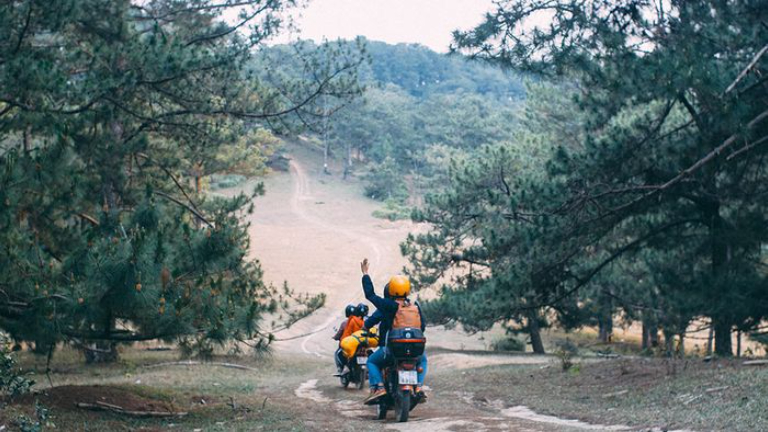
408,366
419,370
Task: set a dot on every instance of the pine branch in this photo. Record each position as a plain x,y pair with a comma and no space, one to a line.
186,206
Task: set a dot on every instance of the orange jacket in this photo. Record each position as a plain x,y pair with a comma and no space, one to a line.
354,323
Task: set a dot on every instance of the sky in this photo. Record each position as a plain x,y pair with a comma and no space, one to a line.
426,22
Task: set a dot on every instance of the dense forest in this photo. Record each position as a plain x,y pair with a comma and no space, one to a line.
419,110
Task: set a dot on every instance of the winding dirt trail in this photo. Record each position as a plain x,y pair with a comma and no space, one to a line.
311,231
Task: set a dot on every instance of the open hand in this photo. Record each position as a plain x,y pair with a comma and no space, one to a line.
364,266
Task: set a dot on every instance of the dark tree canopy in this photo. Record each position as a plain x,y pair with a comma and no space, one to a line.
111,113
668,178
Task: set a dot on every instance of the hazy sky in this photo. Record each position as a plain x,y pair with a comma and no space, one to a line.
427,22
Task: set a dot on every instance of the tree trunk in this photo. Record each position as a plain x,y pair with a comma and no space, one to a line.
738,343
681,345
710,338
645,344
348,164
722,325
669,343
535,332
605,329
723,346
605,319
326,151
650,333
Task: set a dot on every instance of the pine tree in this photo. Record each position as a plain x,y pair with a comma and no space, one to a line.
669,165
111,114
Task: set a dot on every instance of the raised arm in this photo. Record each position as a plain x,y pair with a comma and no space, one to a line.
382,304
373,320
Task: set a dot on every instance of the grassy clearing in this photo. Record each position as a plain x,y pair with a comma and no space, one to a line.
215,398
641,392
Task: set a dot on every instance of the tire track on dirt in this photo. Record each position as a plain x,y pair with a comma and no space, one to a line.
302,194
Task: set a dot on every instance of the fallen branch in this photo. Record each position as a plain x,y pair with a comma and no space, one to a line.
716,389
755,363
615,394
197,363
103,406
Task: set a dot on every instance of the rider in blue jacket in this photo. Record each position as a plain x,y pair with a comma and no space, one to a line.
386,309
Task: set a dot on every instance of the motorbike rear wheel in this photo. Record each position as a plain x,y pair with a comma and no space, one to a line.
361,378
403,405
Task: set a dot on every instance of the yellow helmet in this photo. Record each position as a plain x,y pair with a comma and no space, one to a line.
399,286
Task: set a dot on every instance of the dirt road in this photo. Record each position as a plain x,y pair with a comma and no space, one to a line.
312,230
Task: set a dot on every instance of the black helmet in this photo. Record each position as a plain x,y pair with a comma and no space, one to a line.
362,310
349,310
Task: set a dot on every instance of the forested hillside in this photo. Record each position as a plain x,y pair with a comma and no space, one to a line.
420,109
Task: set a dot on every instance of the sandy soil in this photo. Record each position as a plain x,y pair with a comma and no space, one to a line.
312,230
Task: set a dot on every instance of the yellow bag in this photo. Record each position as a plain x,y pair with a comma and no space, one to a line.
350,344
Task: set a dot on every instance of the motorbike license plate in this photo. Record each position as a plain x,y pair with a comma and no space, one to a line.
362,360
408,377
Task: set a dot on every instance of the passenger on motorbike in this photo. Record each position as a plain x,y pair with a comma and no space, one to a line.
352,324
394,310
363,336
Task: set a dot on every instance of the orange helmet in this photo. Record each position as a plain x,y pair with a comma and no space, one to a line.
399,286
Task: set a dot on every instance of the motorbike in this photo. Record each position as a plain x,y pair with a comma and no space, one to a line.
404,350
358,369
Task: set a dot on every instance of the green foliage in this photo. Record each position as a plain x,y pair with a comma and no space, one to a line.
218,181
416,100
385,181
112,115
248,155
393,210
565,352
652,198
39,423
508,344
12,380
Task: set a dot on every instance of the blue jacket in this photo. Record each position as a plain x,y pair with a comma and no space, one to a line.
386,309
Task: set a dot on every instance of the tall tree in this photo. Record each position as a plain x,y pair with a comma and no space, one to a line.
667,164
110,114
675,108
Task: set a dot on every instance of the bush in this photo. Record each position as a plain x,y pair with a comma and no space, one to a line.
384,181
393,210
566,351
12,381
508,344
219,181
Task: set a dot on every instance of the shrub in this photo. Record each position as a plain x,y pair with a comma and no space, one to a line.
384,181
219,181
393,210
12,381
566,351
508,344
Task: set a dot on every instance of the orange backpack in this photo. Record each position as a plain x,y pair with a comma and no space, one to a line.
407,315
